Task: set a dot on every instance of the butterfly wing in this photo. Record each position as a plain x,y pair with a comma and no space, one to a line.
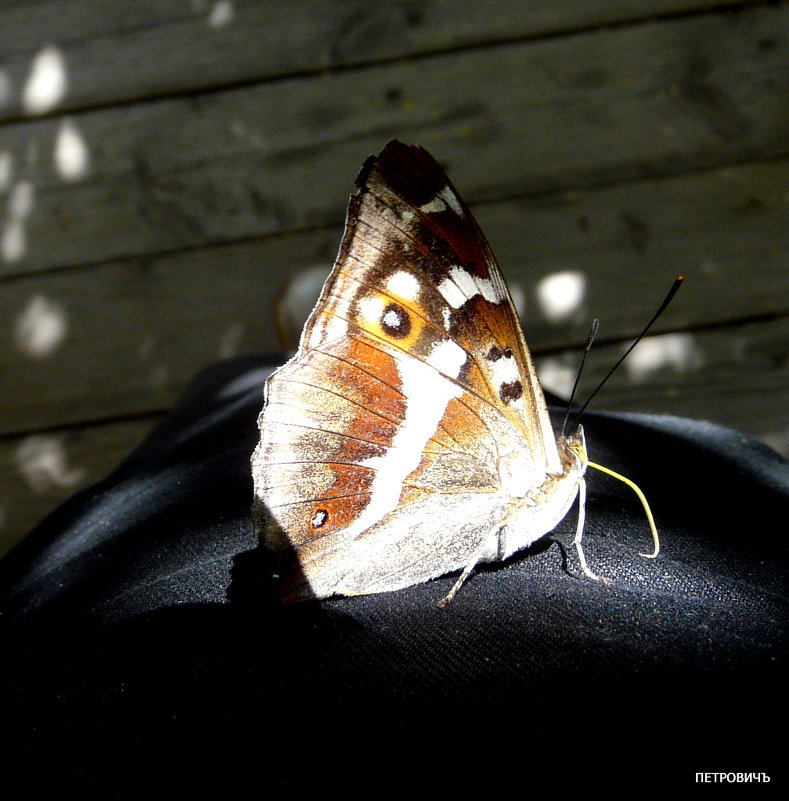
412,392
411,242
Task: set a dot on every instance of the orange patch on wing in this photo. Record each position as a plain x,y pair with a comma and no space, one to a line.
371,431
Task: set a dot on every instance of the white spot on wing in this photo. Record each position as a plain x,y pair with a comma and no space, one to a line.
452,293
461,286
447,357
392,320
371,308
335,328
404,285
504,370
465,280
451,200
319,518
443,199
435,206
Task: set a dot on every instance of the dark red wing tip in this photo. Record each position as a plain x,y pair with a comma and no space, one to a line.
395,152
408,169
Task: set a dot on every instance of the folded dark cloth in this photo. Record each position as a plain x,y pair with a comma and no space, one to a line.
143,644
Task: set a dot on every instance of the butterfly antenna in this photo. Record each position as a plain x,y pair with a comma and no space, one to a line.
589,340
669,296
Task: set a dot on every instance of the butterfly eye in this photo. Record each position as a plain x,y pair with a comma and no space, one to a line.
578,450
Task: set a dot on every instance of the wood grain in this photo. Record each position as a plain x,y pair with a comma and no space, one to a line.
568,112
200,154
122,52
137,330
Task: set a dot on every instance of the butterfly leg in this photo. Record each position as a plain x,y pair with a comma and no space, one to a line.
579,532
472,563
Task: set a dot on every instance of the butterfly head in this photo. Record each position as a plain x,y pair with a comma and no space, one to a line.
572,449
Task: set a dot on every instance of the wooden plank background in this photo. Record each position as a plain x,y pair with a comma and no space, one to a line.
168,166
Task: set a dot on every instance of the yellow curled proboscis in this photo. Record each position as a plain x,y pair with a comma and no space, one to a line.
643,500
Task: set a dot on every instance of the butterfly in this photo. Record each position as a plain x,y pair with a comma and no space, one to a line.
409,436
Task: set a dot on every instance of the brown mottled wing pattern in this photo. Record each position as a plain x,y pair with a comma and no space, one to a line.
412,384
408,216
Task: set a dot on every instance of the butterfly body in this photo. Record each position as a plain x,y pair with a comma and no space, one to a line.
408,437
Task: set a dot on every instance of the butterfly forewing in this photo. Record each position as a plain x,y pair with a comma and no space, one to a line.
412,243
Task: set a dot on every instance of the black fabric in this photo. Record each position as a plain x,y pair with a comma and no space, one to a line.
143,647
